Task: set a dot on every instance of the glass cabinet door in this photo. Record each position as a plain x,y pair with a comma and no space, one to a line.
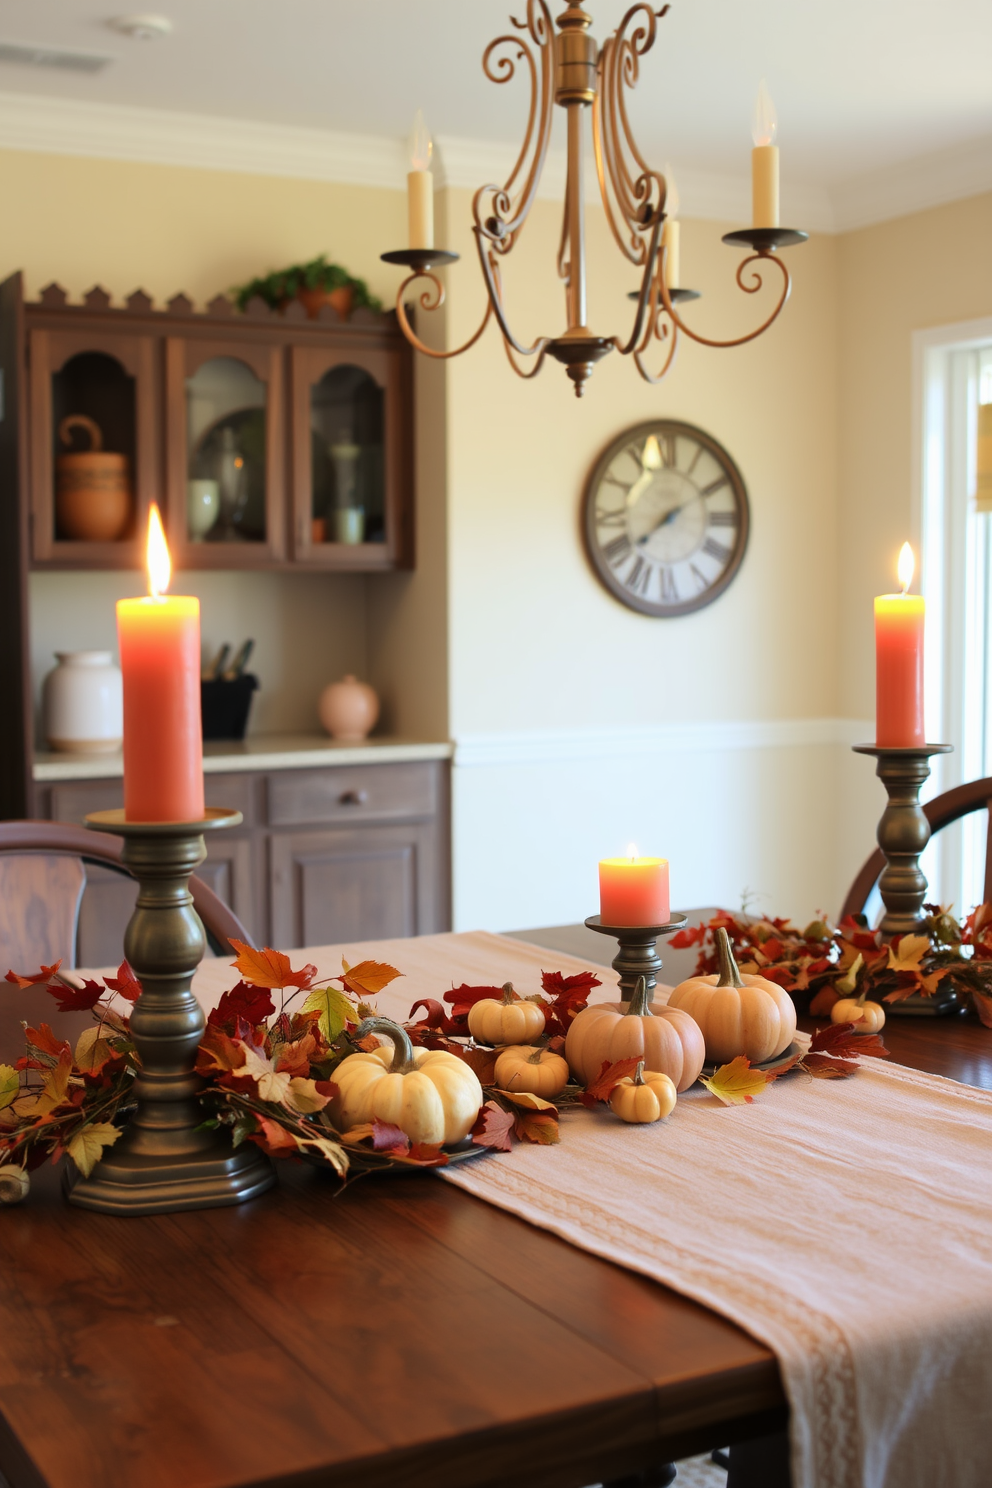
223,454
351,459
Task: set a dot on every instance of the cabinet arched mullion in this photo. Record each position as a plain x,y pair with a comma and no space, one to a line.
186,359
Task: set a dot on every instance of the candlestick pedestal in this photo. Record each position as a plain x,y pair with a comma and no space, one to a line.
638,955
165,1160
903,833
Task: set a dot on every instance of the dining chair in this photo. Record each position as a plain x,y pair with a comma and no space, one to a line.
944,809
42,880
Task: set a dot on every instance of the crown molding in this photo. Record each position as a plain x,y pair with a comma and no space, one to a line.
66,126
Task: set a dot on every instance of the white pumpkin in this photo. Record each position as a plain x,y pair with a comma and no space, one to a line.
738,1013
432,1096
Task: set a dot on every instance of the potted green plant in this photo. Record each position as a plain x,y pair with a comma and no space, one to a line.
314,284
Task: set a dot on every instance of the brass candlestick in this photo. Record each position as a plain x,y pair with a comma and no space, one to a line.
638,955
165,1160
903,833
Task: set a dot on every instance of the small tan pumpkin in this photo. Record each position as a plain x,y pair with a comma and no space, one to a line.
665,1037
867,1017
536,1070
430,1095
506,1020
649,1096
738,1014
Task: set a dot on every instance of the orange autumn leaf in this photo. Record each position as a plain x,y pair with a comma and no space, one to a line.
541,1129
983,1006
908,954
37,979
823,1002
368,977
269,968
736,1083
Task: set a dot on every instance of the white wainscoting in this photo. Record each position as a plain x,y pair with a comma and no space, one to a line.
779,810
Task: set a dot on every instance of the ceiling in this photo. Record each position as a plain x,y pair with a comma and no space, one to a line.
861,86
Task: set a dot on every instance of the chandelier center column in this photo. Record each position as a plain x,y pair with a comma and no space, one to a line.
575,90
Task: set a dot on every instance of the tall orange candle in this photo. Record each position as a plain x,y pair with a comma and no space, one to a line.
899,621
633,890
159,640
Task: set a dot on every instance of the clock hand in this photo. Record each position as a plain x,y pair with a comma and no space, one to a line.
664,520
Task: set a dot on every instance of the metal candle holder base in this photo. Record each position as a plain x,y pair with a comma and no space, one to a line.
903,833
638,956
165,1160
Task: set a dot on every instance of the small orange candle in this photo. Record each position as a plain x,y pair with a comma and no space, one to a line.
159,640
899,621
633,890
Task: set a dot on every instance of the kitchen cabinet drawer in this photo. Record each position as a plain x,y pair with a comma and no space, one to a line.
361,793
70,802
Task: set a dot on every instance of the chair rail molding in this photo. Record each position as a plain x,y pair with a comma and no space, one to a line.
540,747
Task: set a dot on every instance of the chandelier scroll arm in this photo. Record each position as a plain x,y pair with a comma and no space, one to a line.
494,287
430,302
748,289
651,267
652,377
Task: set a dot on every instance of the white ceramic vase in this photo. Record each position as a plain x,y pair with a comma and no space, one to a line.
83,703
348,709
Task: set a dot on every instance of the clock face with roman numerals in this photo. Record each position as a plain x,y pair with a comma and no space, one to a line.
666,518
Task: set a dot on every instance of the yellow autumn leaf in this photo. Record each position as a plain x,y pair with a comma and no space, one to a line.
55,1086
736,1083
330,1151
93,1050
368,977
334,1010
86,1147
303,1096
908,954
527,1101
9,1085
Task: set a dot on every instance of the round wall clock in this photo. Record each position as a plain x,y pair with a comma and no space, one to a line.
666,518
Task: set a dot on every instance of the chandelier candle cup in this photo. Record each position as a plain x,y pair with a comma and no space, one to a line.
899,625
764,161
420,185
159,640
633,891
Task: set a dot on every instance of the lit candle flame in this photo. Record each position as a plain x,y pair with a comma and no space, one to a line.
764,125
632,852
907,566
651,458
421,144
157,556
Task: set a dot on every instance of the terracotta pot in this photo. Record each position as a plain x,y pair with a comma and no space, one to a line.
92,488
313,299
348,709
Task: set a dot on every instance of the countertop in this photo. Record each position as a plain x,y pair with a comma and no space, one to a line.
260,752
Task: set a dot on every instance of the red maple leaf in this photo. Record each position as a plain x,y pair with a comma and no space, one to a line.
428,1155
273,1138
464,998
690,936
44,975
71,999
825,1068
389,1138
609,1076
44,1040
493,1127
125,982
841,1040
246,1003
436,1020
218,1054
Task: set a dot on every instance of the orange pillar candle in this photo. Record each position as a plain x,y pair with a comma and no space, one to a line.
899,620
633,890
159,640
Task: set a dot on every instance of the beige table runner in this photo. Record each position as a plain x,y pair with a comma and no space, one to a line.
846,1224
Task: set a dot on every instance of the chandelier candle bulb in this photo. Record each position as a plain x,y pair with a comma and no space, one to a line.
670,231
420,185
764,162
899,624
633,891
159,640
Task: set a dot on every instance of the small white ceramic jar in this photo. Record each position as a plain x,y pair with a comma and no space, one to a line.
202,507
83,703
348,709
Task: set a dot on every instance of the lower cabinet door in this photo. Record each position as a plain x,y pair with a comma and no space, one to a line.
369,883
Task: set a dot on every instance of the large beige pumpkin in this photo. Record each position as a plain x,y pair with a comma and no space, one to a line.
737,1012
430,1095
667,1039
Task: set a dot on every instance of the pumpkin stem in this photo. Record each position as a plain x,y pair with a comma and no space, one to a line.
639,1073
861,999
508,994
535,1058
729,975
640,1006
403,1059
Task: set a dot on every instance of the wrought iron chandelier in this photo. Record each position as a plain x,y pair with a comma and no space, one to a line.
566,67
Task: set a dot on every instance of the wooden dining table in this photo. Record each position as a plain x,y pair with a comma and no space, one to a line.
395,1332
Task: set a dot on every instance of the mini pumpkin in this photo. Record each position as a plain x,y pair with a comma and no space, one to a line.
665,1037
867,1017
537,1070
648,1096
506,1020
432,1096
739,1013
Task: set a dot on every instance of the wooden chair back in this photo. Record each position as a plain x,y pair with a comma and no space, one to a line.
42,879
944,809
